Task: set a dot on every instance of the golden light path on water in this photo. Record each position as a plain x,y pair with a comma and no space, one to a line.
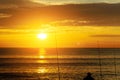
41,59
42,53
42,70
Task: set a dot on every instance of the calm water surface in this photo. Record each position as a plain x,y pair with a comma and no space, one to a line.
70,64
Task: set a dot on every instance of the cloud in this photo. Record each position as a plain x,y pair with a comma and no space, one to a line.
17,31
29,3
118,36
68,15
17,3
70,22
59,2
5,15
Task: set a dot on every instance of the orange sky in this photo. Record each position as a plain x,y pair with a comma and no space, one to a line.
66,25
83,37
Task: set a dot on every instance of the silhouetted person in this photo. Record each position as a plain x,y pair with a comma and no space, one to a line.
89,77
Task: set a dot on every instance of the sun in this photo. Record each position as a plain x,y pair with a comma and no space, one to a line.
42,36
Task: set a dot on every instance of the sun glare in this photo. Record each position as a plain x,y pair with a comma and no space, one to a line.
42,36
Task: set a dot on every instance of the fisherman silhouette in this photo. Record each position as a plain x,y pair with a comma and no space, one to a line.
89,77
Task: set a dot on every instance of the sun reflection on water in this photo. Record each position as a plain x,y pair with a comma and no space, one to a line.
42,57
42,61
42,53
42,70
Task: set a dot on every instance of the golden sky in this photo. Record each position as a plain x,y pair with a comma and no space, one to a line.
67,36
66,23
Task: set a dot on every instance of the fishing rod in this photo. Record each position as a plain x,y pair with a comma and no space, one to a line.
57,55
115,64
100,61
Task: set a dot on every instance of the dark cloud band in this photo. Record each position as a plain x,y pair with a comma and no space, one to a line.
68,15
118,36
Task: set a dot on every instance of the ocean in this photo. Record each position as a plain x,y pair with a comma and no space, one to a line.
59,64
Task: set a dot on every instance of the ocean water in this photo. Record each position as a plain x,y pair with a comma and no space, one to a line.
59,64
